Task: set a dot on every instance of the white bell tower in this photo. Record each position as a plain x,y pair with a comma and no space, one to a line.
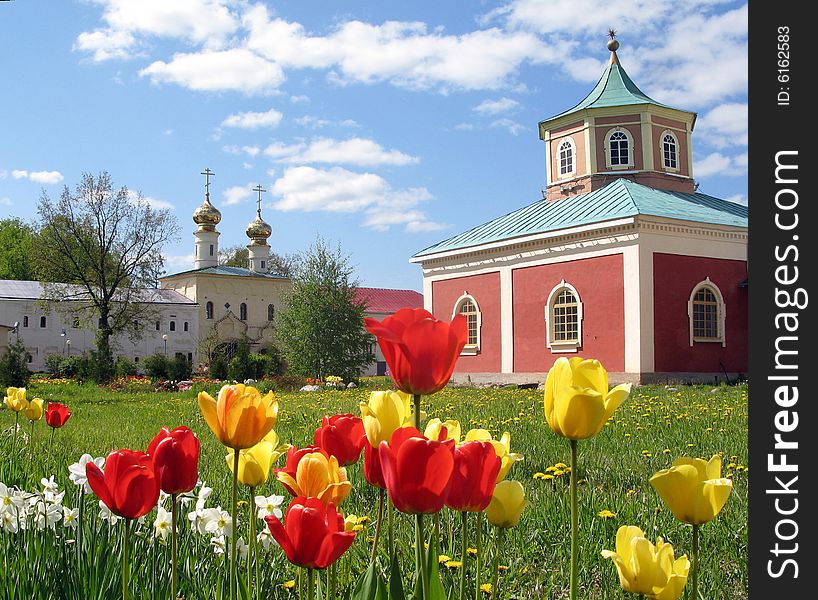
206,217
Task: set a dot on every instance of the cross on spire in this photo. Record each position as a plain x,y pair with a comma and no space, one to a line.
259,189
207,173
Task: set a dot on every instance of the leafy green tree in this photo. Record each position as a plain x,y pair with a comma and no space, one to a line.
321,329
107,244
16,246
14,366
285,265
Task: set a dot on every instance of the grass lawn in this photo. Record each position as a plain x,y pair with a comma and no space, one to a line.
655,425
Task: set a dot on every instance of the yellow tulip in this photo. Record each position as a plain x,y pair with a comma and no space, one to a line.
693,489
577,399
507,504
352,523
15,399
647,569
434,426
241,416
384,413
502,448
318,477
255,462
34,409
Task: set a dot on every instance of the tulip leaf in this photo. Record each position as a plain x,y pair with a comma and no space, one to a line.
370,586
436,591
395,580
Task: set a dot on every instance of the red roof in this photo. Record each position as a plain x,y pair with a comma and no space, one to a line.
379,300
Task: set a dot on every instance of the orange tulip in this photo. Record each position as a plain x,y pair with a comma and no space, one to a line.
241,416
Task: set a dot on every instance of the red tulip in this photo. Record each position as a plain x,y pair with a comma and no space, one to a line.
294,456
421,351
476,465
372,467
175,457
417,470
341,436
128,487
312,536
57,414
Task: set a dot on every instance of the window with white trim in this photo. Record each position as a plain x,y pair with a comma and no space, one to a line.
563,319
566,157
619,148
467,306
670,151
706,313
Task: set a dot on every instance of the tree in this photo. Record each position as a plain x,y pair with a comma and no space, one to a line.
321,328
106,244
284,265
16,245
14,366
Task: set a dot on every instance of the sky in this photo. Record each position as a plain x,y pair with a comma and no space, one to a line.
383,127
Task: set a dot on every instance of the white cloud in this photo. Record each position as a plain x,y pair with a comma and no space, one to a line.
44,177
717,163
464,126
236,69
251,151
299,99
107,44
154,203
725,125
339,190
236,194
253,120
738,199
179,262
493,107
5,201
311,122
355,151
513,127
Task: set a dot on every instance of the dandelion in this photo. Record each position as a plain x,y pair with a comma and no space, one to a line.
486,588
606,514
453,564
471,551
289,584
442,558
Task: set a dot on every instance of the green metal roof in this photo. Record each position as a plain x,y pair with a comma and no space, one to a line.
224,270
620,198
614,88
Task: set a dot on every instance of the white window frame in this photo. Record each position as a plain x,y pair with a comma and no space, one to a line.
665,166
631,148
721,338
469,349
562,346
558,159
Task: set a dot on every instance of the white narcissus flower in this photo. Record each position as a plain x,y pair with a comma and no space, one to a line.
8,521
242,548
76,471
201,517
269,505
70,517
218,544
10,499
163,524
221,523
106,515
47,515
266,539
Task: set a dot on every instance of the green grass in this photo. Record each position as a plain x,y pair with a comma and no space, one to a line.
654,426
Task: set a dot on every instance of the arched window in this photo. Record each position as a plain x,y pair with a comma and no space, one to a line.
670,151
43,321
563,319
243,311
467,306
619,153
173,325
271,312
706,312
209,310
565,154
186,326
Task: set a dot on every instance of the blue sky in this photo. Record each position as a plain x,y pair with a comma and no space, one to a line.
383,126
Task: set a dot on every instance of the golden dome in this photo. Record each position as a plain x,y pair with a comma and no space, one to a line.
258,229
207,214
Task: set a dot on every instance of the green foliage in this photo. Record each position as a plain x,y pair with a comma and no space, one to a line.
53,363
241,366
14,365
125,366
321,329
217,369
180,368
156,366
16,246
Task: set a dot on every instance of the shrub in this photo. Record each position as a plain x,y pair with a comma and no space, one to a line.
218,367
53,363
276,365
241,365
180,368
14,366
157,366
125,366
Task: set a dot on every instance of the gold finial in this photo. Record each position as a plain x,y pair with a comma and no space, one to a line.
258,230
207,216
613,45
258,189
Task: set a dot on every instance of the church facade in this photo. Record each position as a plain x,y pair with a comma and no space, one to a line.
622,259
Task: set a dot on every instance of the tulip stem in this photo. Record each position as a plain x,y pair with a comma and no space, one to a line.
234,566
694,592
463,542
424,575
253,558
498,547
478,544
174,580
574,523
333,584
382,493
126,530
14,438
390,530
310,584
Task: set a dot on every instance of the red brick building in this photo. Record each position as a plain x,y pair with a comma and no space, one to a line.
621,260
